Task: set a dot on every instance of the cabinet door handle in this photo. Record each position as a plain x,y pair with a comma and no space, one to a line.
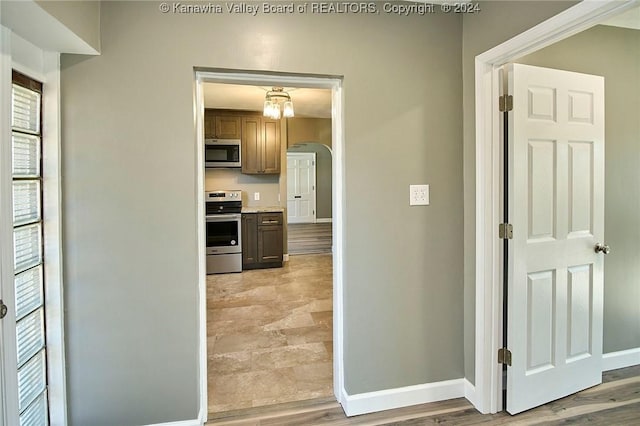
269,222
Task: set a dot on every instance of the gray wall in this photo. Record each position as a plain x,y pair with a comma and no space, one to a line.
615,54
267,185
130,195
498,22
304,129
323,176
81,17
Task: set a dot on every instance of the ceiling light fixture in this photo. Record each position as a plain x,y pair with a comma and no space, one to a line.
277,103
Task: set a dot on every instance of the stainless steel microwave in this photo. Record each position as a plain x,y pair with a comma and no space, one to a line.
222,153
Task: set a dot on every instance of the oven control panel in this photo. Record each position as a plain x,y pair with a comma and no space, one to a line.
224,195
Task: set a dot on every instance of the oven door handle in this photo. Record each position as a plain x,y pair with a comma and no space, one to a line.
223,217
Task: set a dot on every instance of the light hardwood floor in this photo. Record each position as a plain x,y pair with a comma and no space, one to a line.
306,238
269,334
615,402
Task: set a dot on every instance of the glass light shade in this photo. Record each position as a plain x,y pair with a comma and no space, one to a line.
276,111
268,108
288,109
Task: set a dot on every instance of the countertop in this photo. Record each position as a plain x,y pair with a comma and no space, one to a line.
268,209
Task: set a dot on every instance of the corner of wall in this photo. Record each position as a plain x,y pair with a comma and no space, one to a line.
470,393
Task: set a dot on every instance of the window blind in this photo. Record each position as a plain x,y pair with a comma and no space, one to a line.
25,110
28,258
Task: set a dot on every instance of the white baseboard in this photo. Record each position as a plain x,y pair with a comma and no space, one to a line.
620,359
194,422
388,399
324,220
285,257
470,392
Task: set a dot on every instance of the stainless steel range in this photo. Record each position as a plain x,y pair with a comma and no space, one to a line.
224,231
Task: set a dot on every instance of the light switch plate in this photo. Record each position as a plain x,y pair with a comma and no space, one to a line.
256,196
418,195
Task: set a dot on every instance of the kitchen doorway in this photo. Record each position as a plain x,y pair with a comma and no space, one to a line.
334,261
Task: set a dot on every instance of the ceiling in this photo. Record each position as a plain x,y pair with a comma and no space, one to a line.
306,102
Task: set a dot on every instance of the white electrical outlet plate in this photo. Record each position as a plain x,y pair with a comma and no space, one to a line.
256,196
418,195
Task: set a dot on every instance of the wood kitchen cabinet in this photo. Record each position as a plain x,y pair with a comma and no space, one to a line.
262,240
220,124
249,239
260,138
228,127
260,145
209,124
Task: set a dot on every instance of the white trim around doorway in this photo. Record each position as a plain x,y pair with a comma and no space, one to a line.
263,78
487,397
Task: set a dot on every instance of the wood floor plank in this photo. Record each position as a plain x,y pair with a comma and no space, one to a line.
628,414
308,238
615,402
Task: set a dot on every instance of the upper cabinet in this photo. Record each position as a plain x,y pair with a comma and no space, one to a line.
222,125
228,127
260,138
209,124
251,144
260,145
271,146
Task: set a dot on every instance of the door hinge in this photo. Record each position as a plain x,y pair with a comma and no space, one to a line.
3,309
504,356
505,102
505,231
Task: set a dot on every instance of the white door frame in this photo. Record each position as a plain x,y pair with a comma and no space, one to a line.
487,395
263,78
315,199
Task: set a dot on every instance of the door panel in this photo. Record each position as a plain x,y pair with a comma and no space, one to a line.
541,288
542,160
580,311
556,170
580,188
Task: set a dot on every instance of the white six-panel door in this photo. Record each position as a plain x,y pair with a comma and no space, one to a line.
301,184
556,206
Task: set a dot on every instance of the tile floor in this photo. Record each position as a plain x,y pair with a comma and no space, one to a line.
269,334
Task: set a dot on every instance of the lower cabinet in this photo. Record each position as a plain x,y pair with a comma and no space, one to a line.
262,239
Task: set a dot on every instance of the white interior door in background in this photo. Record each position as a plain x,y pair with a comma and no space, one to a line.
556,207
301,187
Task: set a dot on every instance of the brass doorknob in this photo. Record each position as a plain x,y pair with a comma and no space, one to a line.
602,248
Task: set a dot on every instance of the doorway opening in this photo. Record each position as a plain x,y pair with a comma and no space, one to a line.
255,340
487,396
309,189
